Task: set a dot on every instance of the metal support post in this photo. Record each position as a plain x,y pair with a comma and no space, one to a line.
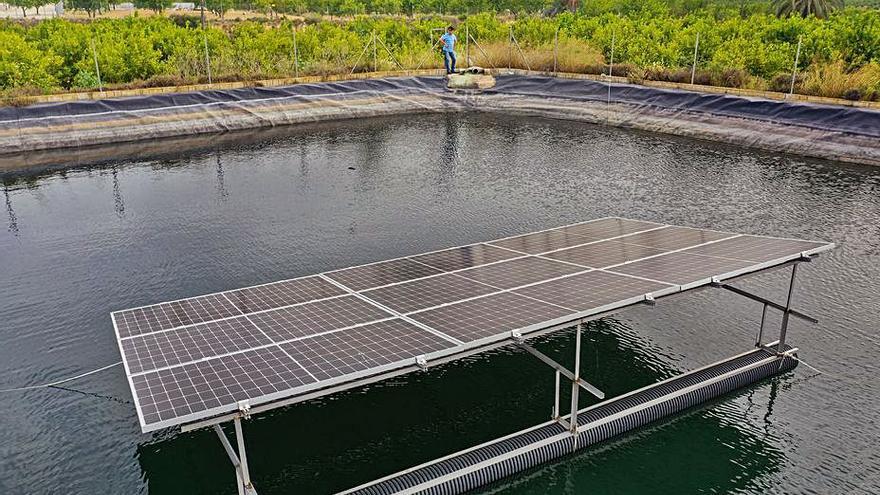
797,57
483,52
611,65
295,54
521,53
375,54
556,51
694,66
561,369
760,336
556,397
97,69
467,45
232,457
207,57
781,346
242,455
575,388
509,47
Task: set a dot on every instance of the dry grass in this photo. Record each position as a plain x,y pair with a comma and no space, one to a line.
574,56
832,80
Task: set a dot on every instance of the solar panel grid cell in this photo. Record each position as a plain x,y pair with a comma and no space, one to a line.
284,293
316,317
603,254
383,273
487,316
608,228
427,292
464,257
195,387
368,346
573,235
542,242
522,271
754,248
173,314
590,290
681,268
672,238
181,345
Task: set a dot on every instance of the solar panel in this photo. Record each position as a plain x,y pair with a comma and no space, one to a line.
573,235
753,248
185,344
383,273
681,268
542,242
591,290
173,314
464,257
365,347
183,391
284,293
521,271
609,228
427,292
672,238
316,317
196,358
487,316
603,254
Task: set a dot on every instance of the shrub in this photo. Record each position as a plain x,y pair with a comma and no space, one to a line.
653,39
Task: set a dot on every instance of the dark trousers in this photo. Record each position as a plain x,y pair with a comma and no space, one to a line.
449,61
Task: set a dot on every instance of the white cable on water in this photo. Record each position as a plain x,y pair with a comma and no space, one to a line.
808,365
59,382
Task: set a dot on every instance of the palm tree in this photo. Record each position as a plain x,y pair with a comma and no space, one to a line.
818,8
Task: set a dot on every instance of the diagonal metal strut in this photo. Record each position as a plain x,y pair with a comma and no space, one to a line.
769,303
242,476
562,370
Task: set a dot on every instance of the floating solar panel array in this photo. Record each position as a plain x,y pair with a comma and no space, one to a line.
196,358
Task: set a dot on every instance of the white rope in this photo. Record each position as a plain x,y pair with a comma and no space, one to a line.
59,382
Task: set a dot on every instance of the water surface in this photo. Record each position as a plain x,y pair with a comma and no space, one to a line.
79,243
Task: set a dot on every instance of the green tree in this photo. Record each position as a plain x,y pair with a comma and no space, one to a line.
218,7
91,7
266,6
819,8
26,4
351,7
154,5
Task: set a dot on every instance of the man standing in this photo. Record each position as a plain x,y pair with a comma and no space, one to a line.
448,48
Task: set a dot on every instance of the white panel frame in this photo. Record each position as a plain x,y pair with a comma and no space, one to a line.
324,387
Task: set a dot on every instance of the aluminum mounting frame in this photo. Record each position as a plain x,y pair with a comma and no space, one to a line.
568,421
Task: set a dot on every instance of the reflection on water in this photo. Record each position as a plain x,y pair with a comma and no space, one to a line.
13,223
170,219
331,444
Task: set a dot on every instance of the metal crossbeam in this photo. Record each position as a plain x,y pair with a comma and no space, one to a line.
769,303
562,370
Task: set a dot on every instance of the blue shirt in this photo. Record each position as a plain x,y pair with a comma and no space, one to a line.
448,40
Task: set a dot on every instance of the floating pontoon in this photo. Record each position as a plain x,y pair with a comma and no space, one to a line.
206,360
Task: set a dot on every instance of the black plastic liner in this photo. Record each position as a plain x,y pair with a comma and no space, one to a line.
830,132
133,103
464,480
832,118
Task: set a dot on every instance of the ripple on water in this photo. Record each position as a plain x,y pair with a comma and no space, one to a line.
78,244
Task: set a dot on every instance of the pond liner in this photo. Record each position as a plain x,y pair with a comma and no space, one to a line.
496,460
848,134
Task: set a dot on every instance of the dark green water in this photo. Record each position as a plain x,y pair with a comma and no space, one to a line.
80,243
